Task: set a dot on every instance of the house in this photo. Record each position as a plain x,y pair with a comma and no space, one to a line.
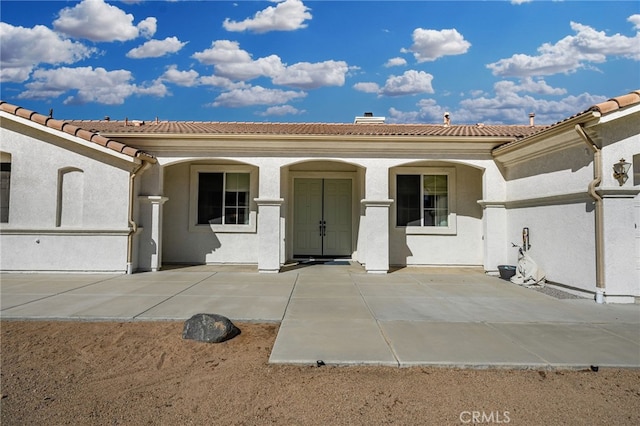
126,196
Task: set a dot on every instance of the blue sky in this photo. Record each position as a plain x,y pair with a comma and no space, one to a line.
318,61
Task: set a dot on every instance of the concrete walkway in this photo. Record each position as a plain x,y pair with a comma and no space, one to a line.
336,313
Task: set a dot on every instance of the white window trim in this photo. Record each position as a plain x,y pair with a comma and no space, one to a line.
193,199
450,172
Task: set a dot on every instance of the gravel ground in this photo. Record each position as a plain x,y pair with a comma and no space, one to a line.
144,373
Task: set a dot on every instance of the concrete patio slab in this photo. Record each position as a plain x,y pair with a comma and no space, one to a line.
223,288
574,345
333,289
352,342
416,309
318,308
338,313
455,345
56,306
254,309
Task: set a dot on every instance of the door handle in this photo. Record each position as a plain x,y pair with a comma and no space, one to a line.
323,228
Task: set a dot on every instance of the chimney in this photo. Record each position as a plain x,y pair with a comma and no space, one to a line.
369,118
532,116
447,120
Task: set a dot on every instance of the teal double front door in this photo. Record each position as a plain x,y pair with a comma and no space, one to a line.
322,217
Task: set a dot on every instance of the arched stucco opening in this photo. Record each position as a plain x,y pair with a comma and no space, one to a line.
210,216
436,218
322,210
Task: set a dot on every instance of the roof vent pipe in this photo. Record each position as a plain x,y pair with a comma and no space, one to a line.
532,116
447,119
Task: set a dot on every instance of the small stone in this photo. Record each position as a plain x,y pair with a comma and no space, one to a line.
210,328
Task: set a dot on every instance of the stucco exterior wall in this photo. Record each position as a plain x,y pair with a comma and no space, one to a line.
562,241
50,228
180,245
465,247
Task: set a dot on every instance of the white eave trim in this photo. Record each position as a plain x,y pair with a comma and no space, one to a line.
556,138
380,145
75,139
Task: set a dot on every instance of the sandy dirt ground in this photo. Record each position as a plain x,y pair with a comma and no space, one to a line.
81,373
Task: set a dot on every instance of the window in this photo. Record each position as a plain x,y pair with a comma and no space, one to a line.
5,184
424,200
221,198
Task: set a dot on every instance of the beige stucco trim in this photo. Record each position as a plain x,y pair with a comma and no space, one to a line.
556,138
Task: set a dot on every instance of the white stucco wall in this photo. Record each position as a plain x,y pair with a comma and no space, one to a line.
180,245
38,235
562,239
465,247
548,194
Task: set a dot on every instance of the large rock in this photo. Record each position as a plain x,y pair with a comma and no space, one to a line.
210,328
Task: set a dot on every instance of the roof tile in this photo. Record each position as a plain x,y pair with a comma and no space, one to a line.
40,119
75,130
56,124
70,128
24,113
11,109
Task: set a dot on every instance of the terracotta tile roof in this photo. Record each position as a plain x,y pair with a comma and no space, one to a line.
617,103
604,108
342,129
115,128
75,130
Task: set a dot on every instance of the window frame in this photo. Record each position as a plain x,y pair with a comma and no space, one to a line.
450,172
194,173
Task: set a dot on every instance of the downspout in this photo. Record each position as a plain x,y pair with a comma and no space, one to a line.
597,178
133,226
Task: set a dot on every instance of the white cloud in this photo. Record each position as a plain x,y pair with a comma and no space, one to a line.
571,53
635,20
305,75
156,88
517,2
96,20
395,62
181,78
429,45
22,49
527,84
148,27
234,63
409,83
156,48
223,82
269,66
367,87
88,85
287,15
223,52
281,110
506,106
511,107
255,95
428,112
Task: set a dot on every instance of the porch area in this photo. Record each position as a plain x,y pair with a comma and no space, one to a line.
335,312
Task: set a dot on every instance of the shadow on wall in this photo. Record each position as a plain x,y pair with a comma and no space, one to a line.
636,169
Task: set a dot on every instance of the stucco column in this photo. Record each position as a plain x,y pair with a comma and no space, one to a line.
153,250
269,234
376,230
494,229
